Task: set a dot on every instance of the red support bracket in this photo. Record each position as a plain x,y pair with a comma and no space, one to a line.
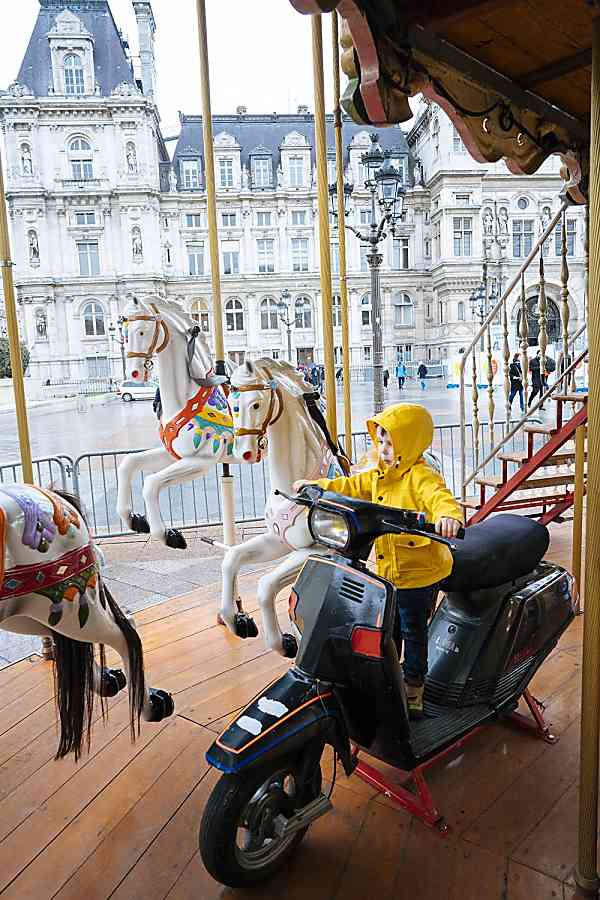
537,723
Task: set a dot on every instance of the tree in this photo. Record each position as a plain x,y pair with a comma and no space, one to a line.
5,370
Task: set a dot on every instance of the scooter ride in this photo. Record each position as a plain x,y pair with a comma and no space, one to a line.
503,612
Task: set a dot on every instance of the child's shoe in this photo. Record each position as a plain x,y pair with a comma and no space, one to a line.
414,696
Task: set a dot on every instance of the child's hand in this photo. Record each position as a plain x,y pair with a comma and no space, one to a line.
298,485
448,528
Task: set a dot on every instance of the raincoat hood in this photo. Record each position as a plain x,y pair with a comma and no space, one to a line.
410,428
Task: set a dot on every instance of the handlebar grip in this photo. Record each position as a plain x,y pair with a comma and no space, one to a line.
430,528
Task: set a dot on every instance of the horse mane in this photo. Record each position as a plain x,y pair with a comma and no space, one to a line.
277,370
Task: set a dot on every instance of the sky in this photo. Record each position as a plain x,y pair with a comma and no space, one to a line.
260,53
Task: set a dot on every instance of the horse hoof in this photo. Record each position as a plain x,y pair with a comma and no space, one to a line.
162,705
289,645
245,626
140,524
113,681
175,539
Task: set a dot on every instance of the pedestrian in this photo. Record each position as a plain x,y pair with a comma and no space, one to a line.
314,376
422,374
537,379
401,374
386,378
339,375
516,382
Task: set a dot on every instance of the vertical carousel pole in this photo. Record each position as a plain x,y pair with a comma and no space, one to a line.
213,241
586,873
324,248
13,338
339,158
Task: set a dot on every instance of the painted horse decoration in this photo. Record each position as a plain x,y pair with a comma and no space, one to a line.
196,429
272,410
51,586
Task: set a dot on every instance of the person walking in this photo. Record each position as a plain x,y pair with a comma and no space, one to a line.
537,384
422,374
386,378
401,374
516,382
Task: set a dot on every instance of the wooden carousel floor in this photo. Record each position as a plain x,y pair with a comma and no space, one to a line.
123,822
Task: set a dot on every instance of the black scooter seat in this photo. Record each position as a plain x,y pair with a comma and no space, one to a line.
496,552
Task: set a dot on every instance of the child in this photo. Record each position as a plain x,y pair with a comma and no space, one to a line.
414,564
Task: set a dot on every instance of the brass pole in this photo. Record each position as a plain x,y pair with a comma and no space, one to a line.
324,247
586,873
578,504
12,325
341,200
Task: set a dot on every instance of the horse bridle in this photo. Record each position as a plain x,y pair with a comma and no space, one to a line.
156,344
269,419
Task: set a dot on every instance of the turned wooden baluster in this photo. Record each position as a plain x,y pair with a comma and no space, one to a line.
490,387
564,294
475,396
506,357
543,320
524,343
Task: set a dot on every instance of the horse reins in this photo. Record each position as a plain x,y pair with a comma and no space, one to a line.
268,420
156,344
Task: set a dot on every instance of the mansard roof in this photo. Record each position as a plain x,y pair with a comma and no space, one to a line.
267,133
112,66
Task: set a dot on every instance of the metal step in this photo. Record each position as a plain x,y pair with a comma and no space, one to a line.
559,459
531,484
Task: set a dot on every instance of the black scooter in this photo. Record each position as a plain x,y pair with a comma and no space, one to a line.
502,613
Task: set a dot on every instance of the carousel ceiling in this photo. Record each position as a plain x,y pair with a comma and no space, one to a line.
513,75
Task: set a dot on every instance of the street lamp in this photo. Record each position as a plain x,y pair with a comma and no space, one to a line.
283,307
121,340
386,185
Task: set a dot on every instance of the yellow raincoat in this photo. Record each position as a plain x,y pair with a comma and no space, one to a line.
406,560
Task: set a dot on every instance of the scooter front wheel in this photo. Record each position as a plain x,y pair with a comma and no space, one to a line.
243,837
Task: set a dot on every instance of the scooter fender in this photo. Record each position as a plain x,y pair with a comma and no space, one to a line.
290,713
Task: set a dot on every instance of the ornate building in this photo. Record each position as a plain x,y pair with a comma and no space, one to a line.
99,210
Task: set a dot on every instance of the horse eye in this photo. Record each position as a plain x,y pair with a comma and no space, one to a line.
256,406
236,409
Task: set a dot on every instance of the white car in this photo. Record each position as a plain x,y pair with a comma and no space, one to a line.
131,390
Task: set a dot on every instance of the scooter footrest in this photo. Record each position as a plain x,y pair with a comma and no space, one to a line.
442,726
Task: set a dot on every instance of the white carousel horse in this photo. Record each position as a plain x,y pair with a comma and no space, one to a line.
51,586
268,403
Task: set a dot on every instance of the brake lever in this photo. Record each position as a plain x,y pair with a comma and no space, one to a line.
301,501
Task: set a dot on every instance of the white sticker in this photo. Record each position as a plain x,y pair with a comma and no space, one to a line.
249,724
272,707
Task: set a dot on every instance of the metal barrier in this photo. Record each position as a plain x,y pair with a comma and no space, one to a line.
48,470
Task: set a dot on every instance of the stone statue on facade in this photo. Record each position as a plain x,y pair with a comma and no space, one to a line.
41,325
546,218
172,180
136,244
245,178
488,223
279,177
132,166
26,160
34,248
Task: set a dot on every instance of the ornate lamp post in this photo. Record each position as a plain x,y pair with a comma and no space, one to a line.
385,184
119,340
284,314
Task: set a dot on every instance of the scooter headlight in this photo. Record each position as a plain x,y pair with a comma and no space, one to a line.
329,528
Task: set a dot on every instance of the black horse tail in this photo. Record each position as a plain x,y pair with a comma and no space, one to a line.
137,683
74,693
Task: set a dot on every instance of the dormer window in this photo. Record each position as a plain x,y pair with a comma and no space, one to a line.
190,174
74,83
296,170
226,172
261,173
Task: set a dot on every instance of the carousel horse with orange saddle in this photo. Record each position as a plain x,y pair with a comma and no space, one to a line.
51,586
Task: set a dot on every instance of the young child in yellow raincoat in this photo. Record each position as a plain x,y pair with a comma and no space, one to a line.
416,565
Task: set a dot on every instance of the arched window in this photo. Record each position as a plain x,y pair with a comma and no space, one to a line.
269,320
403,310
365,311
303,308
74,83
461,311
234,315
93,320
200,314
80,154
336,310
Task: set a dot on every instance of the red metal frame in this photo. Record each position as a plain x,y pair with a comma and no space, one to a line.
419,802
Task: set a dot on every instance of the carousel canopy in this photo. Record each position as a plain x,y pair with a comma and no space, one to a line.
513,75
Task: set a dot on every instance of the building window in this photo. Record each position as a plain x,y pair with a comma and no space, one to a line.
226,172
265,253
80,153
234,315
74,84
335,259
461,311
437,240
300,254
404,352
403,310
193,220
97,367
440,312
522,202
522,231
229,220
269,315
400,253
303,309
365,311
463,199
200,314
296,170
93,320
263,219
336,310
364,262
571,231
427,248
85,218
366,354
457,144
195,254
190,171
463,236
363,175
364,216
89,260
231,262
331,171
298,217
261,173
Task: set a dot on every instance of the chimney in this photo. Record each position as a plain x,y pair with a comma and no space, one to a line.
242,110
146,28
302,110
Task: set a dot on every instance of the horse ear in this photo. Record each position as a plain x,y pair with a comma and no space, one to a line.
249,367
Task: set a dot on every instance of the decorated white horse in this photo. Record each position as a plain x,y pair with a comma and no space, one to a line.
51,585
196,429
272,409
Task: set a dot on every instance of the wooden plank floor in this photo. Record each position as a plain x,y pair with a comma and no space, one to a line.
123,822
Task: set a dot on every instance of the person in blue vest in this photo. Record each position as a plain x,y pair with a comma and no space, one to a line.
401,374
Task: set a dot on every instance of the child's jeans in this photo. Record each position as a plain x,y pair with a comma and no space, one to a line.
414,607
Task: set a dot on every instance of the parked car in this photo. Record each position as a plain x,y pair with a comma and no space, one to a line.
131,390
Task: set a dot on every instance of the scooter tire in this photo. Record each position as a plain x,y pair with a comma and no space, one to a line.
220,821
